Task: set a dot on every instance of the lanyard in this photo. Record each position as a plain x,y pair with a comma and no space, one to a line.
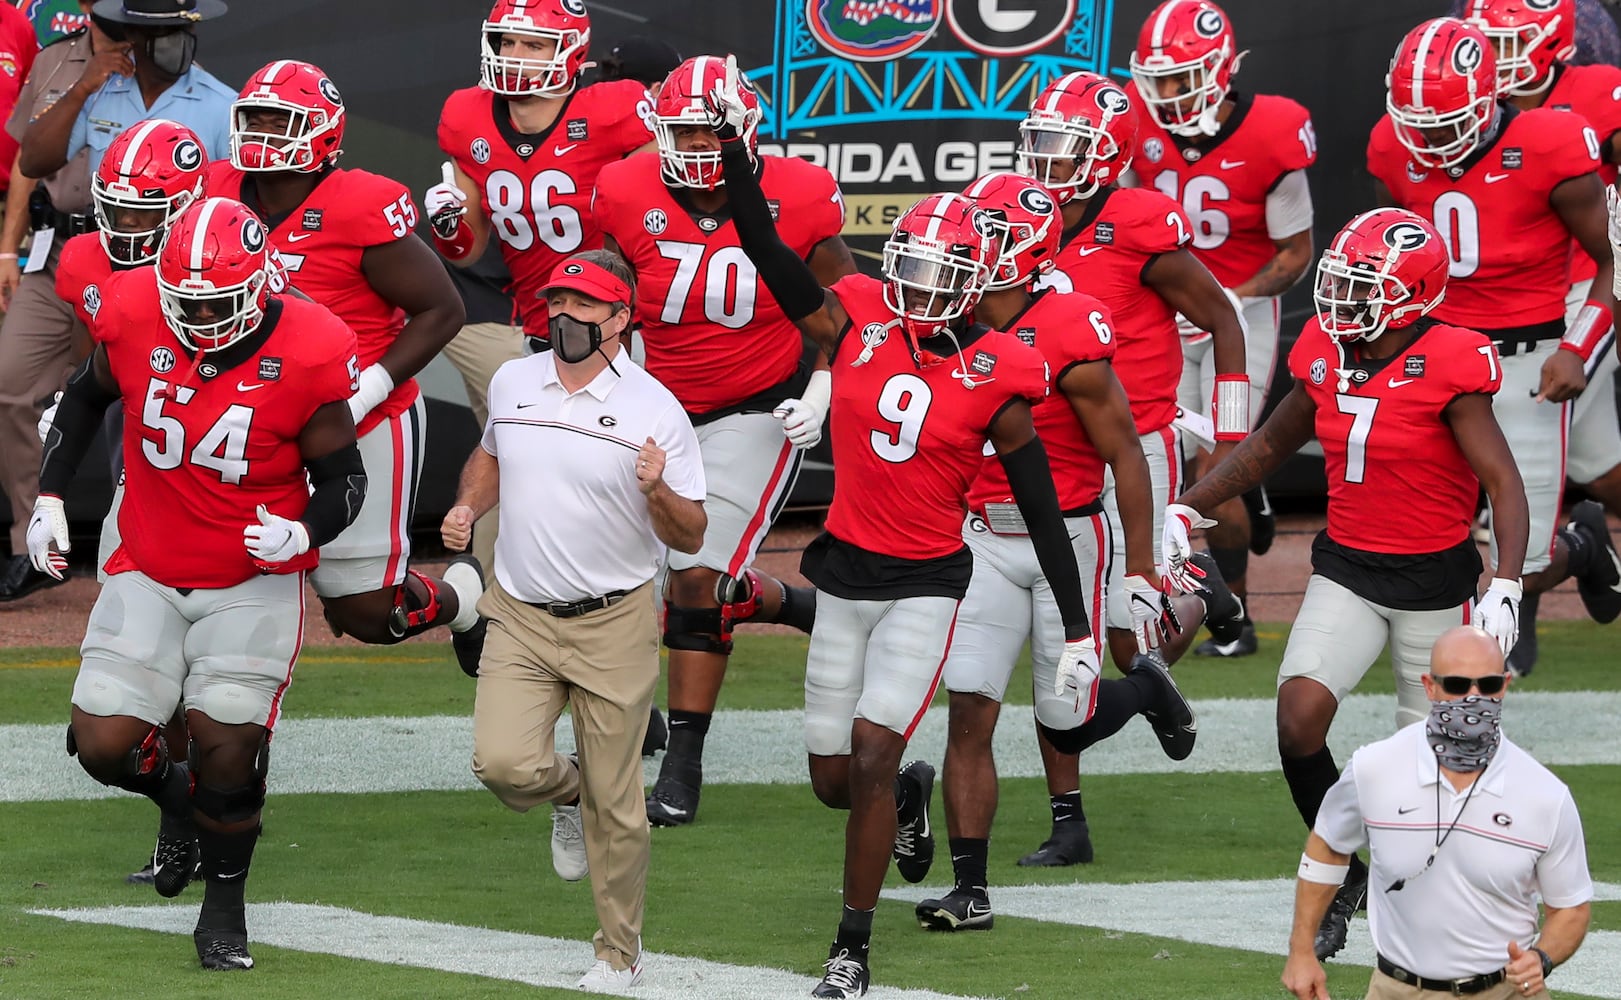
1440,837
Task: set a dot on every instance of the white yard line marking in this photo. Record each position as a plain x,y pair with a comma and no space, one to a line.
521,958
431,753
1250,916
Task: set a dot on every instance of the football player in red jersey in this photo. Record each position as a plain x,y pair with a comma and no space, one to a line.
347,240
526,144
1403,406
1085,424
919,392
264,478
1237,165
1508,190
1129,248
718,340
1535,41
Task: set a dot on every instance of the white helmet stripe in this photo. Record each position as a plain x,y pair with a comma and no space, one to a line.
127,167
275,69
199,241
699,68
1162,23
1057,90
936,216
1424,43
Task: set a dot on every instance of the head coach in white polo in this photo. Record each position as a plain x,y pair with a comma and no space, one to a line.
596,468
1465,832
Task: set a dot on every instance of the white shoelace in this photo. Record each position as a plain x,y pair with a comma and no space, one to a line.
843,971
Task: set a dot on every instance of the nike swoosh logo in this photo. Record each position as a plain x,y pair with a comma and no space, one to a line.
1494,178
1087,251
1397,383
245,387
296,237
564,150
970,377
525,406
1404,812
1232,164
672,810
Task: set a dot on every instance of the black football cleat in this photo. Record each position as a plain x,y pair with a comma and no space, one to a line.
1336,925
1244,645
176,856
658,733
142,877
1069,844
1223,611
19,578
222,951
674,798
914,838
847,975
1522,659
1600,586
1263,523
1170,714
959,910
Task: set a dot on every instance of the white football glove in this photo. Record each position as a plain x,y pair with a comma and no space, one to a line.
49,525
1498,612
48,418
1176,546
1612,200
1077,669
275,539
445,204
728,115
1153,619
802,418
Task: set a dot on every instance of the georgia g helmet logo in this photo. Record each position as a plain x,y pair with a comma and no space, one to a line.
1466,57
329,90
575,7
188,156
1113,101
982,222
1208,24
1541,4
253,236
1036,201
1406,237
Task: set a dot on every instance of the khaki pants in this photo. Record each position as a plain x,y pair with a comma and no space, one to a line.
477,351
36,344
604,666
1382,987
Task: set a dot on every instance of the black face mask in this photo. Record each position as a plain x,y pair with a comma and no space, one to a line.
573,340
172,54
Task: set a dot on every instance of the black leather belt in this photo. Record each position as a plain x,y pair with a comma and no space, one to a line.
574,609
1524,339
1456,987
67,225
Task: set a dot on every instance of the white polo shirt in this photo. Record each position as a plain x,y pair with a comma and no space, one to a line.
1520,837
574,523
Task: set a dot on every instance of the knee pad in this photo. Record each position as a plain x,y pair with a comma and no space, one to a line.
411,613
1233,563
143,769
234,804
704,630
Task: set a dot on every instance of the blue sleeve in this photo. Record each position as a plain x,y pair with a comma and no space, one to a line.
217,137
79,138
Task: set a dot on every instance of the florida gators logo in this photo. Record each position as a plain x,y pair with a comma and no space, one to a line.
873,30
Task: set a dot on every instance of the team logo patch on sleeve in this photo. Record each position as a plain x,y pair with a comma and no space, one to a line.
1319,371
579,130
162,360
874,334
312,220
1154,150
1104,233
269,369
1513,158
1413,367
1026,334
984,362
92,300
655,221
480,151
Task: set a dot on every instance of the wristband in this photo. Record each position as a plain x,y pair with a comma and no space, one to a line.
456,246
1231,407
10,256
1547,962
1321,872
1592,324
375,385
818,394
1512,588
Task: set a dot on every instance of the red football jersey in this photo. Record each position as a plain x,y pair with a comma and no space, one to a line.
1397,480
1594,92
907,441
1104,256
1068,329
537,188
1222,184
204,446
714,335
1510,251
80,271
322,242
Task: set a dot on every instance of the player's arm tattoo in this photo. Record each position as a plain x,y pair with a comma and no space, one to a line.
831,260
1257,456
1285,268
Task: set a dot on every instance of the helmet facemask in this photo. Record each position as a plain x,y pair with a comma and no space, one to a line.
930,286
688,168
1047,139
132,245
291,148
1516,69
1192,110
1356,301
1462,131
205,318
514,76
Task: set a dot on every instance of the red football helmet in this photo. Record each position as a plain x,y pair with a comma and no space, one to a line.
214,274
680,105
1385,269
312,139
1442,91
564,23
1530,36
937,262
1027,225
1082,120
1184,64
147,177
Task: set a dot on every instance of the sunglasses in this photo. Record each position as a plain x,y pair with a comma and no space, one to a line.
1491,684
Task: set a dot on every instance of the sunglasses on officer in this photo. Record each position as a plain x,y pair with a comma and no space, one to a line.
1458,685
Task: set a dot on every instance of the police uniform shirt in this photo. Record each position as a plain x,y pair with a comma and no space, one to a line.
1518,838
574,523
56,69
196,100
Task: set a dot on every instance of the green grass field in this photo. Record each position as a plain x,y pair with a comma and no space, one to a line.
754,883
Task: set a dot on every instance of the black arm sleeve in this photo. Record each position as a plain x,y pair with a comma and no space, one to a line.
787,276
78,417
1032,482
340,486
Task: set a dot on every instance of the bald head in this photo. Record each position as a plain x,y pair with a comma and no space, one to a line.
1465,651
